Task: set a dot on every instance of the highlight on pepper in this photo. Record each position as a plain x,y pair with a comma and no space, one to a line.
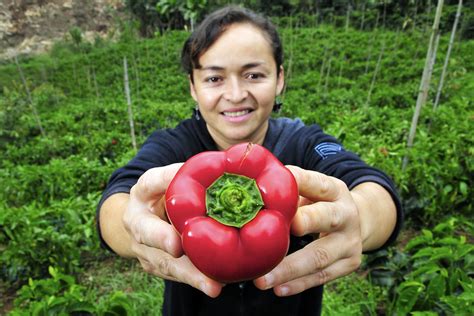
233,210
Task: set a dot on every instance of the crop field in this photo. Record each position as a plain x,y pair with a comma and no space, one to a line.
66,128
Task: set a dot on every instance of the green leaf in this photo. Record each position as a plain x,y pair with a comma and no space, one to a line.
419,240
434,253
436,288
463,188
408,293
424,313
425,269
446,227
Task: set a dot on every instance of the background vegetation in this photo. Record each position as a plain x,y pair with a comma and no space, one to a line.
65,128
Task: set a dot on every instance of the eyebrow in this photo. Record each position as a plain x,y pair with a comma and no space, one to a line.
220,68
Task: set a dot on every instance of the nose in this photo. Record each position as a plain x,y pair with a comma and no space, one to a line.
235,90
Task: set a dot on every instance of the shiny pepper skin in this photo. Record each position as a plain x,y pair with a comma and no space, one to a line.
256,243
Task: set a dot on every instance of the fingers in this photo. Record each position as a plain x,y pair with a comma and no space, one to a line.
145,217
321,261
161,264
321,217
334,271
317,186
149,230
155,242
154,182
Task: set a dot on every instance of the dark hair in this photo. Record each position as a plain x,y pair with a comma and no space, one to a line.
216,23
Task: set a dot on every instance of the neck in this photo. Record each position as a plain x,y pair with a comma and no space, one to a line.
222,143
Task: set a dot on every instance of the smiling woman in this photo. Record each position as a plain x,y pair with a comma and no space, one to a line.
234,66
236,85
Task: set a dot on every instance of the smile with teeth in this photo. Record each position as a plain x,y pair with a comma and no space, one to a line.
236,113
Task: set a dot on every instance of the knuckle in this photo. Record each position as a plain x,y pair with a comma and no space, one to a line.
340,186
289,269
324,184
322,277
146,266
137,231
143,183
336,218
320,258
306,219
163,265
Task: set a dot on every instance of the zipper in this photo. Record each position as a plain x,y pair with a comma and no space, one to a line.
242,286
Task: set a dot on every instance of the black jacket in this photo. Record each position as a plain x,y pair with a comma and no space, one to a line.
292,143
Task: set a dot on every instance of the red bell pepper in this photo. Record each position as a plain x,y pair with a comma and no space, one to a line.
233,210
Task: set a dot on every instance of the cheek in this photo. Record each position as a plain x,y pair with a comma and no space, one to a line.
207,100
266,99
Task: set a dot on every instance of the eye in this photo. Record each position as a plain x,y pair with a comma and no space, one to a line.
254,76
212,79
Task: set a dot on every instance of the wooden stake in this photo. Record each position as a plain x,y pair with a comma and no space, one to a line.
95,83
129,103
374,76
425,81
363,17
326,84
30,99
448,54
348,16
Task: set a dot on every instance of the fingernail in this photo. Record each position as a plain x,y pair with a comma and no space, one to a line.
284,290
269,279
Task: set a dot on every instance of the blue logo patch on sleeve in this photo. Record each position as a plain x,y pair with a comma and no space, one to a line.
324,150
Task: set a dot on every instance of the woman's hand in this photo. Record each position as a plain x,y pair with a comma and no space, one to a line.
154,241
326,207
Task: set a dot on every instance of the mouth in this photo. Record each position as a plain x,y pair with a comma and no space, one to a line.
236,113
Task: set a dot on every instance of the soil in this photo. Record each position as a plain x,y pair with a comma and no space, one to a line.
32,26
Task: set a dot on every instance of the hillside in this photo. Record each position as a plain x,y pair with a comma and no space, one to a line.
31,27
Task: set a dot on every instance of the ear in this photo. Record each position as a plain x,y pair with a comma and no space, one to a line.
280,80
192,89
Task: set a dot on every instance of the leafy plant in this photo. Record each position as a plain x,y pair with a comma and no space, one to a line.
433,274
33,236
61,295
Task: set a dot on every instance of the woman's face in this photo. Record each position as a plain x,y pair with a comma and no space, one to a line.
236,86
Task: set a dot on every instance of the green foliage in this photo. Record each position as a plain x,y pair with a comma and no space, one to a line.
189,9
59,179
51,185
352,295
76,35
434,272
61,295
34,236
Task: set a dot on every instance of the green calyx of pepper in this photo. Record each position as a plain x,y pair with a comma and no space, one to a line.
233,200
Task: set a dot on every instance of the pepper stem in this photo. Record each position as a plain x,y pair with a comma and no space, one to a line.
233,200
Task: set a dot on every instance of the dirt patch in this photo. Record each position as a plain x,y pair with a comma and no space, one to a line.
29,27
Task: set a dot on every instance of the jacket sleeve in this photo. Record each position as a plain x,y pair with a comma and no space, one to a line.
157,151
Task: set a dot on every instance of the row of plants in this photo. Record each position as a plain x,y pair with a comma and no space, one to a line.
430,275
160,15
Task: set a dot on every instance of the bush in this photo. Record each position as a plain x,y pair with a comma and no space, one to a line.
35,236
